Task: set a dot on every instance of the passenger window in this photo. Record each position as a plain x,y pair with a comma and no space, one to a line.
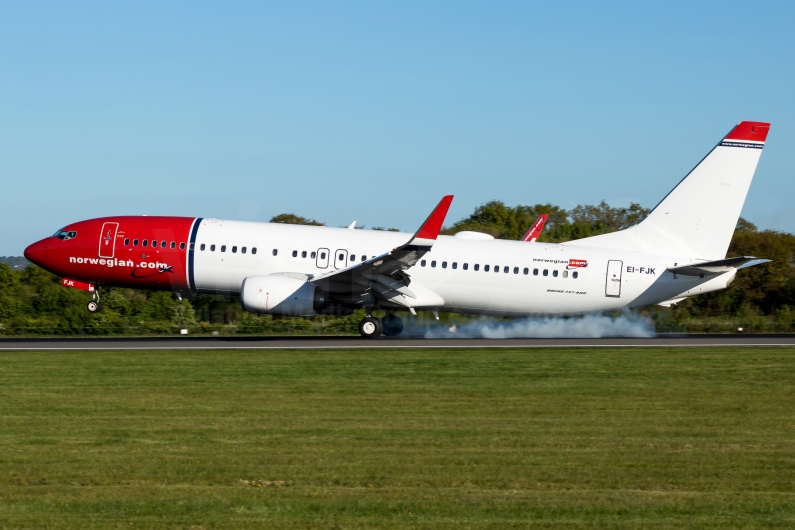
182,246
496,268
223,248
303,254
312,255
242,250
254,250
135,242
485,268
164,243
202,246
444,264
353,257
126,241
506,269
433,264
565,274
234,250
535,272
173,244
546,272
455,265
422,263
295,253
526,270
145,243
212,248
516,270
466,266
555,273
275,252
477,266
574,274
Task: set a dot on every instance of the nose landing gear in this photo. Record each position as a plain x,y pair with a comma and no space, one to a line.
93,306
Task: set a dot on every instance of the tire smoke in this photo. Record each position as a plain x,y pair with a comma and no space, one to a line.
588,326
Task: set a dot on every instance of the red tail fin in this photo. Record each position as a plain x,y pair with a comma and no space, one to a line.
536,229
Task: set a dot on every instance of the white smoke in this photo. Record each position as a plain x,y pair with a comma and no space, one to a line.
592,326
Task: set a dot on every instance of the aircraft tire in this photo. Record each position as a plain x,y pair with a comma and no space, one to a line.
393,325
370,328
93,306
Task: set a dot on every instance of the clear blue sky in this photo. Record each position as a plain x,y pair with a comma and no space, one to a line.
372,111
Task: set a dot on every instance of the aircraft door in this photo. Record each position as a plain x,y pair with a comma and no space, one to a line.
322,258
107,240
340,259
613,280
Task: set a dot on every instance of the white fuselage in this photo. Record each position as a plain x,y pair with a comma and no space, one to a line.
577,278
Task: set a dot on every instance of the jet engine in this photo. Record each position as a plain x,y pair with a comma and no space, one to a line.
277,294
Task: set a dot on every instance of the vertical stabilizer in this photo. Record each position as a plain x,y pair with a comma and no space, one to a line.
535,231
697,218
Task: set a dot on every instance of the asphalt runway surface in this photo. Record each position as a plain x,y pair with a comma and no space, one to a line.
227,343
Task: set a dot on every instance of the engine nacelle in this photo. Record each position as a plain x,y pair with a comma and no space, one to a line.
277,294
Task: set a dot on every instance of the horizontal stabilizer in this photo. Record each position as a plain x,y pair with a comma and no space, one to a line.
717,267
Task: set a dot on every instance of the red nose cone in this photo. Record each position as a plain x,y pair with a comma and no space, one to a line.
38,252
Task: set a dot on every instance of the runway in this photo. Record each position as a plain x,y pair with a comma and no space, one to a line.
272,343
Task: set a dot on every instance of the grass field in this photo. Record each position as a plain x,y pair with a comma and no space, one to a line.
564,438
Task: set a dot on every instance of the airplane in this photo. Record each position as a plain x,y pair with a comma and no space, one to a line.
677,251
534,231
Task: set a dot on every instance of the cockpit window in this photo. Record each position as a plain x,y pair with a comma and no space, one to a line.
63,235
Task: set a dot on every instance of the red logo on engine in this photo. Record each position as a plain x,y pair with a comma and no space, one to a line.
577,263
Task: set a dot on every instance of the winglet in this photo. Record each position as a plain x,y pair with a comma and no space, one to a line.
430,229
535,230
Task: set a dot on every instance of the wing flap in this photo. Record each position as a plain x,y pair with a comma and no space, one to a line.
384,276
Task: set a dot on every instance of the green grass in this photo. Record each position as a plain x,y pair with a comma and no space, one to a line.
564,438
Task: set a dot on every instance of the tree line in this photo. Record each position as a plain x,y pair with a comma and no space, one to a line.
762,298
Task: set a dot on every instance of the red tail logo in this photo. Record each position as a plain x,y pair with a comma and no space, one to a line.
535,230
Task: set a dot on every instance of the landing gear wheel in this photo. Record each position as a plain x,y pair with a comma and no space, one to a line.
393,325
370,328
93,306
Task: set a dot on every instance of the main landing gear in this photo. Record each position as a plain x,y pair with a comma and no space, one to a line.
371,327
93,306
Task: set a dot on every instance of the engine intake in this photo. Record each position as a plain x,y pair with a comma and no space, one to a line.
276,294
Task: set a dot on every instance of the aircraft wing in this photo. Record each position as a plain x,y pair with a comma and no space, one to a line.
717,267
384,276
535,231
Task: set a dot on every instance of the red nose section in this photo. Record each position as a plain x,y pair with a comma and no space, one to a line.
38,252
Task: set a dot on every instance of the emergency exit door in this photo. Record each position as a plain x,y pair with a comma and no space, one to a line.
613,281
340,259
107,240
322,258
